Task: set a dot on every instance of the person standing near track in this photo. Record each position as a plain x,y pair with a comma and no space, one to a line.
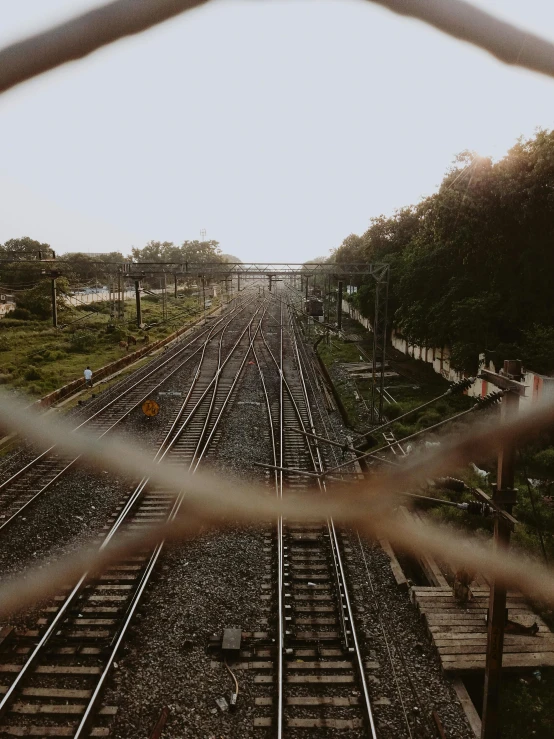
88,377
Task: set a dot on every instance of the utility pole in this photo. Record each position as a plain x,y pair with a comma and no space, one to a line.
53,275
307,283
339,307
504,498
175,284
119,296
269,283
137,279
54,304
238,282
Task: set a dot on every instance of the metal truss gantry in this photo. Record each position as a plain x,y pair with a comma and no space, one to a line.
256,269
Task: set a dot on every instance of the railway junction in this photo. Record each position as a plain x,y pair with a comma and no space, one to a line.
286,629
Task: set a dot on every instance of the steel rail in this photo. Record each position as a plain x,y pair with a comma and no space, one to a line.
338,559
172,434
278,481
329,429
384,629
68,466
76,590
339,570
81,729
118,397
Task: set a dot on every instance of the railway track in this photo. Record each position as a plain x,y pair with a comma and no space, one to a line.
53,676
23,488
319,676
416,714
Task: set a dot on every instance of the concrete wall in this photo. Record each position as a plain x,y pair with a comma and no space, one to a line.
356,315
539,387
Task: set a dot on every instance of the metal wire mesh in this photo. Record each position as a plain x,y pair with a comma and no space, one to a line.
369,507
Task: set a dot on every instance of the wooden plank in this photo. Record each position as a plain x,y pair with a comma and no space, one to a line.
542,641
77,649
323,700
51,693
435,621
510,661
395,566
457,648
470,711
58,708
324,723
432,601
45,731
319,665
159,726
431,593
317,635
320,679
54,670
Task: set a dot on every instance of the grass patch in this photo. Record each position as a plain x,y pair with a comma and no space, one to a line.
37,358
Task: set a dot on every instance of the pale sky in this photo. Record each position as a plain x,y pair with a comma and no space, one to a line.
279,127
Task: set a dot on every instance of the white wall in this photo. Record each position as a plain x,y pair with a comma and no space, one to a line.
539,387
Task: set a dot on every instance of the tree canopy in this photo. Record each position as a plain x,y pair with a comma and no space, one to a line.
188,251
472,265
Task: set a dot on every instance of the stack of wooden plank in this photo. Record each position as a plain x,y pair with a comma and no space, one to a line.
460,632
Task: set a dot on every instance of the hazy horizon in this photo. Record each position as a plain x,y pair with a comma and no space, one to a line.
279,128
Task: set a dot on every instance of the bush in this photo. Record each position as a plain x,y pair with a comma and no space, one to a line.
441,407
82,341
542,464
20,314
393,411
401,430
32,373
5,378
429,418
116,334
5,344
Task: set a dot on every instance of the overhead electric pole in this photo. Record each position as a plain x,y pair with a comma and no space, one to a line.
339,306
504,496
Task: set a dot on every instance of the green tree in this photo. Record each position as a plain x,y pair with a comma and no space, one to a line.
471,266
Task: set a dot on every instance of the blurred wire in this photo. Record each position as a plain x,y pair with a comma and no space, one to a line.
86,33
216,501
82,35
505,41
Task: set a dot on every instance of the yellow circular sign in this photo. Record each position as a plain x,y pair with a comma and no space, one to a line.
150,408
